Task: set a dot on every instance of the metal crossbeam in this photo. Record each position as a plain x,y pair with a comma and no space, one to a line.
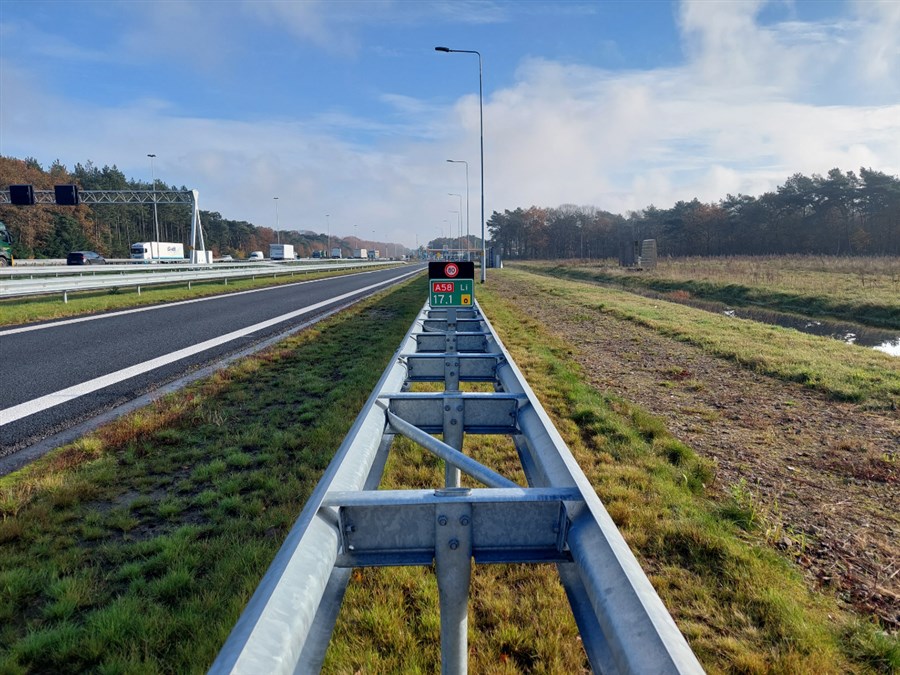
473,342
114,196
462,325
472,367
478,413
558,518
396,527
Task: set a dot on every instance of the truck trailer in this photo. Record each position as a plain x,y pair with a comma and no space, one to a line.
157,251
281,251
336,252
360,253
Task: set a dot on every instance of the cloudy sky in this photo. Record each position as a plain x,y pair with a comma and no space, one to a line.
344,108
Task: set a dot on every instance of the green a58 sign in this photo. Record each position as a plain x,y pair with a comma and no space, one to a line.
451,284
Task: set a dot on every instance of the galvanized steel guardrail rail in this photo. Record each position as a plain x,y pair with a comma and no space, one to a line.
348,522
66,280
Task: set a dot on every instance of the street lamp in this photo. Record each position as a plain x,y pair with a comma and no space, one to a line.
481,122
462,161
153,178
328,225
277,233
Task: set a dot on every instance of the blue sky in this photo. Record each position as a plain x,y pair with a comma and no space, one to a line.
345,109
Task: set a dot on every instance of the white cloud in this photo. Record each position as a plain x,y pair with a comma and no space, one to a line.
879,46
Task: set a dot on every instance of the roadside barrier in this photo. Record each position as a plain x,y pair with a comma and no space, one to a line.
108,277
348,522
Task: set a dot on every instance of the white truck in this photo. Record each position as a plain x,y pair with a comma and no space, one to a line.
336,252
281,251
157,251
360,253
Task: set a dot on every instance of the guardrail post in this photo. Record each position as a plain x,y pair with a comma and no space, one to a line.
453,565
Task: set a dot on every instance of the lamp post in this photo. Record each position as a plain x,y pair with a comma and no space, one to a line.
481,122
462,161
153,187
277,233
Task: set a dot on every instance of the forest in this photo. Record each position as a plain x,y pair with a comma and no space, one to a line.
836,214
841,213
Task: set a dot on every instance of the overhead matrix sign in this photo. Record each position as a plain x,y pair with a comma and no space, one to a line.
451,283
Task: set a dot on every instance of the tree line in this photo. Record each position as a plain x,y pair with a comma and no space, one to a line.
836,214
52,231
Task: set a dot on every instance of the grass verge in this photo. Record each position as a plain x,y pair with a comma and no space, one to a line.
742,606
862,290
844,372
134,549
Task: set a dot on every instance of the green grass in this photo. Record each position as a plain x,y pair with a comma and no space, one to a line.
742,606
16,311
862,290
844,372
135,549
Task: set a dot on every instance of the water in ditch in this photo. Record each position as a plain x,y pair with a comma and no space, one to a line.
887,341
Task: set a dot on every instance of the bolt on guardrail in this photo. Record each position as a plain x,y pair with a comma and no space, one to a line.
349,523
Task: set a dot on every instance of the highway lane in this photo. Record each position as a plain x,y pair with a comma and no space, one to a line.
58,374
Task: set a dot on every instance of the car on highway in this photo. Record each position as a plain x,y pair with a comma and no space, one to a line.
257,255
226,258
85,258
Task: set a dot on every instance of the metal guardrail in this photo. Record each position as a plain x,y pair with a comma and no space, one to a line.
89,278
348,523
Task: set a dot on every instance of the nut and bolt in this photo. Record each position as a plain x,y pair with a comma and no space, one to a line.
442,520
453,544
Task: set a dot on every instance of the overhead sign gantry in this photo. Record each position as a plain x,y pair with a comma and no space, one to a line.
72,195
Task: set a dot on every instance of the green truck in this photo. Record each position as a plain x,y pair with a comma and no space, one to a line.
6,256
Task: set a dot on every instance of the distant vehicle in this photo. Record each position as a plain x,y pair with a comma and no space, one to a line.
281,251
374,254
157,251
85,258
317,254
226,258
336,253
6,256
360,253
256,255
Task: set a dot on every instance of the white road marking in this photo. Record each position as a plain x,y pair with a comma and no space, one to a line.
42,403
135,310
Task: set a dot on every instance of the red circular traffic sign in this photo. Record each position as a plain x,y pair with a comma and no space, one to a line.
451,270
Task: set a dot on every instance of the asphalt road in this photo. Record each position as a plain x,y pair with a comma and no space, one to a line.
58,374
